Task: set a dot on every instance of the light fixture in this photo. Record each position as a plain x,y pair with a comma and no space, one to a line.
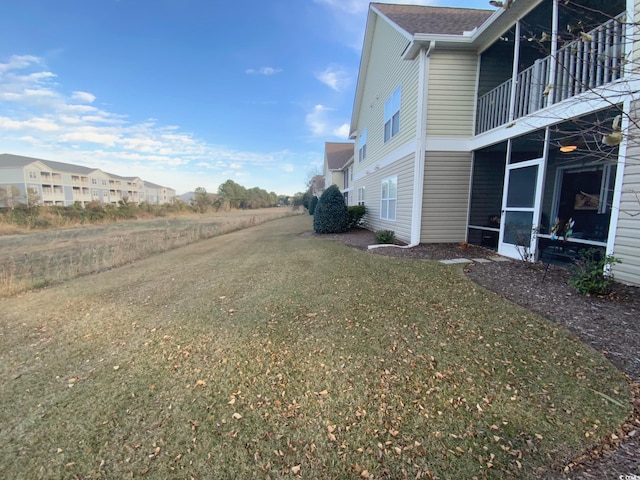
568,148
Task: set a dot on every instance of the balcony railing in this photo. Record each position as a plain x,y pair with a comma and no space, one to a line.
590,62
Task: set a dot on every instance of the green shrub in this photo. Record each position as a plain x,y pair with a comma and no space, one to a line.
313,205
356,215
331,214
385,236
591,273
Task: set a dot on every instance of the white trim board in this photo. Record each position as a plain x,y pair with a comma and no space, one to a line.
396,155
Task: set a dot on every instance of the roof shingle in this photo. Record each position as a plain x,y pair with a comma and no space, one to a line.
434,20
337,154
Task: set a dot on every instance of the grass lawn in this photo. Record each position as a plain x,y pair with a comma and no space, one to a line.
266,354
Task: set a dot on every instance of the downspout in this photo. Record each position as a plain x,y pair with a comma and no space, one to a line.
421,134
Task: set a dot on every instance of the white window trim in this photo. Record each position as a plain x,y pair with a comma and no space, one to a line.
388,199
392,114
362,146
361,193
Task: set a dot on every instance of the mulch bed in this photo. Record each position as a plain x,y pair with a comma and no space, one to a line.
609,324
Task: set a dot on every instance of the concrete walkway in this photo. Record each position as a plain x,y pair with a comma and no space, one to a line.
476,260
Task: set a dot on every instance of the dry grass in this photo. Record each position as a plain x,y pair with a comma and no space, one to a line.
39,259
264,354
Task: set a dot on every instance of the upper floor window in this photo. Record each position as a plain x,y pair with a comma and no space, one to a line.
389,198
362,146
32,175
392,115
345,178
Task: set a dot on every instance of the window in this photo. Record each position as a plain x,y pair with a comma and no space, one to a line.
388,198
361,196
362,146
32,175
392,115
345,178
94,181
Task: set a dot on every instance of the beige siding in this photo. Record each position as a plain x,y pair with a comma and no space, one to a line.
627,243
386,70
372,183
451,95
334,178
446,197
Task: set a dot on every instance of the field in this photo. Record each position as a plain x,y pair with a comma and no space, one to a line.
40,258
265,353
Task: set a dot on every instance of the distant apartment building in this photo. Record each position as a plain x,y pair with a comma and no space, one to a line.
57,183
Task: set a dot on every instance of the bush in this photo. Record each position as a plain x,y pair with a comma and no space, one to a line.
385,236
356,215
313,205
331,214
591,273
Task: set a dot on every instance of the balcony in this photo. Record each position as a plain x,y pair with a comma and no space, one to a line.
579,66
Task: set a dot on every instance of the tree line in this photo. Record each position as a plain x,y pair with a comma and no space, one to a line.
232,195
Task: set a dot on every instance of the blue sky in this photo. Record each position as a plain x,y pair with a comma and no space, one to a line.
184,93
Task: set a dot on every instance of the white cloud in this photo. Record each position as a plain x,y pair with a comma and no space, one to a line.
335,77
321,124
342,131
39,118
90,135
84,97
263,71
39,124
18,62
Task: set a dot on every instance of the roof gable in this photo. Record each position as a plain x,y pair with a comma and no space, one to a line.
8,160
413,22
337,155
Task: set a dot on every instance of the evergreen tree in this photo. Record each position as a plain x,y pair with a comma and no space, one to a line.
331,215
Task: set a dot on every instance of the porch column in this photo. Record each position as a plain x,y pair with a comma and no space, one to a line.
514,72
554,52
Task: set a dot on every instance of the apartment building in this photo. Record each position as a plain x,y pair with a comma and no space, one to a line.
58,183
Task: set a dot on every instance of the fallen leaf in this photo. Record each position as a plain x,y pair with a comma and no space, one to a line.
237,416
295,470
